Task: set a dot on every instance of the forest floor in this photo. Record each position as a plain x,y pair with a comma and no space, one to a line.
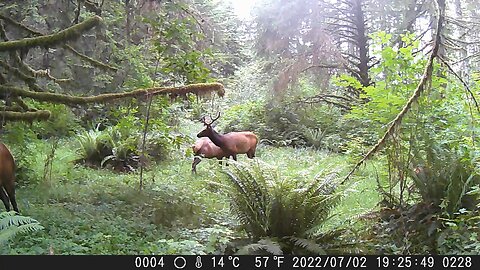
97,211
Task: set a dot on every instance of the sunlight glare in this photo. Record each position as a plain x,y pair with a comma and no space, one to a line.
243,7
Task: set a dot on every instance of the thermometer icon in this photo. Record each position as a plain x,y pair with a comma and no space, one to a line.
198,263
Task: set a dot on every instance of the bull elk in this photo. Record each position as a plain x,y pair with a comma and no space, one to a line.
204,147
232,143
7,178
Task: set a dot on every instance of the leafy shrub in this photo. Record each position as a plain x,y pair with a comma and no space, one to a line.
460,234
245,116
62,122
286,123
25,147
120,146
123,148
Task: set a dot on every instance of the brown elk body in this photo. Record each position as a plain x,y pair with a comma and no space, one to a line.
7,178
204,147
232,143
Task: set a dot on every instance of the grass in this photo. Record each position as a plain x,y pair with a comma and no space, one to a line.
90,211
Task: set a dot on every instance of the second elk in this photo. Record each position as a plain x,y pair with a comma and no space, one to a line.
205,148
232,143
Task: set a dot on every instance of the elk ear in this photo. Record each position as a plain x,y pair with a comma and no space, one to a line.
203,121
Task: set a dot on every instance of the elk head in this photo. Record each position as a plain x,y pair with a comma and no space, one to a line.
208,131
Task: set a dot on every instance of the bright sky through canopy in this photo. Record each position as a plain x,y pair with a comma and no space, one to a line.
243,7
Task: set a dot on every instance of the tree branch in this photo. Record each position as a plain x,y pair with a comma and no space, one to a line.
29,80
92,61
63,36
462,81
19,25
426,78
328,66
198,89
82,56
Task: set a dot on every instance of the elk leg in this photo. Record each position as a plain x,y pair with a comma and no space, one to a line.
4,198
234,157
10,189
195,162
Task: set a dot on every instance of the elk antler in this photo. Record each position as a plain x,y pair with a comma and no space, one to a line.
213,120
203,119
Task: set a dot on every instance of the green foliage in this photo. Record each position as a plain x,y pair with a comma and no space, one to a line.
271,246
259,196
396,76
314,136
211,240
138,67
286,124
24,145
116,145
432,139
62,122
245,116
12,224
89,211
119,144
431,158
175,43
446,186
460,234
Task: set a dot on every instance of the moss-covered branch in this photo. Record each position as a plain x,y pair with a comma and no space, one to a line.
19,25
82,56
24,116
20,103
90,60
29,80
13,108
198,89
3,34
63,36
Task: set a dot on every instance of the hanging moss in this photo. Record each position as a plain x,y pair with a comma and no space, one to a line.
197,89
63,36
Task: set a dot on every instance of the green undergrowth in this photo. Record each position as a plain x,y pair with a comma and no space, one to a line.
97,211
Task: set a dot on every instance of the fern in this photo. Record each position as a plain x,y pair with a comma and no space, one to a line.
12,224
89,144
308,245
314,136
273,207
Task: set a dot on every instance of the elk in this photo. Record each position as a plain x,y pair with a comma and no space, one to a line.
206,148
7,178
232,143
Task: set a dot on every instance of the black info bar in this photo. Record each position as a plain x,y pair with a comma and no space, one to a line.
227,262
